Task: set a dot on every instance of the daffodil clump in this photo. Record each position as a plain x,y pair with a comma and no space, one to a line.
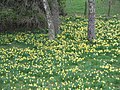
70,62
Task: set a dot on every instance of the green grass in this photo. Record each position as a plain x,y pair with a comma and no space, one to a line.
77,7
31,61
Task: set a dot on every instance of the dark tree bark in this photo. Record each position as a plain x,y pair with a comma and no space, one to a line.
1,28
109,7
91,20
49,20
85,12
55,15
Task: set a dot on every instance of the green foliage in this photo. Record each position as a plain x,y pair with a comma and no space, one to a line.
22,14
7,17
62,5
7,13
68,62
28,14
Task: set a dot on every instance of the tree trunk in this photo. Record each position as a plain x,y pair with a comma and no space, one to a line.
55,15
91,20
49,20
85,12
109,7
1,27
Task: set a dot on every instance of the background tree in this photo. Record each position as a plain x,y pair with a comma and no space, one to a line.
109,7
85,11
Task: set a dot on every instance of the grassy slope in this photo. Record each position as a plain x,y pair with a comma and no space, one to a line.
77,6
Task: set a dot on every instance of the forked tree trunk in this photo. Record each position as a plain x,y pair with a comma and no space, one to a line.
91,20
55,15
49,20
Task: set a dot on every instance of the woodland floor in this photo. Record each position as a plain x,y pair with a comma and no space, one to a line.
31,61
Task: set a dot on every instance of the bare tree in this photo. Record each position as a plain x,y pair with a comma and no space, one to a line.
91,20
49,20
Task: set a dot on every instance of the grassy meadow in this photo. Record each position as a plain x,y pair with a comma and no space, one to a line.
29,61
78,7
